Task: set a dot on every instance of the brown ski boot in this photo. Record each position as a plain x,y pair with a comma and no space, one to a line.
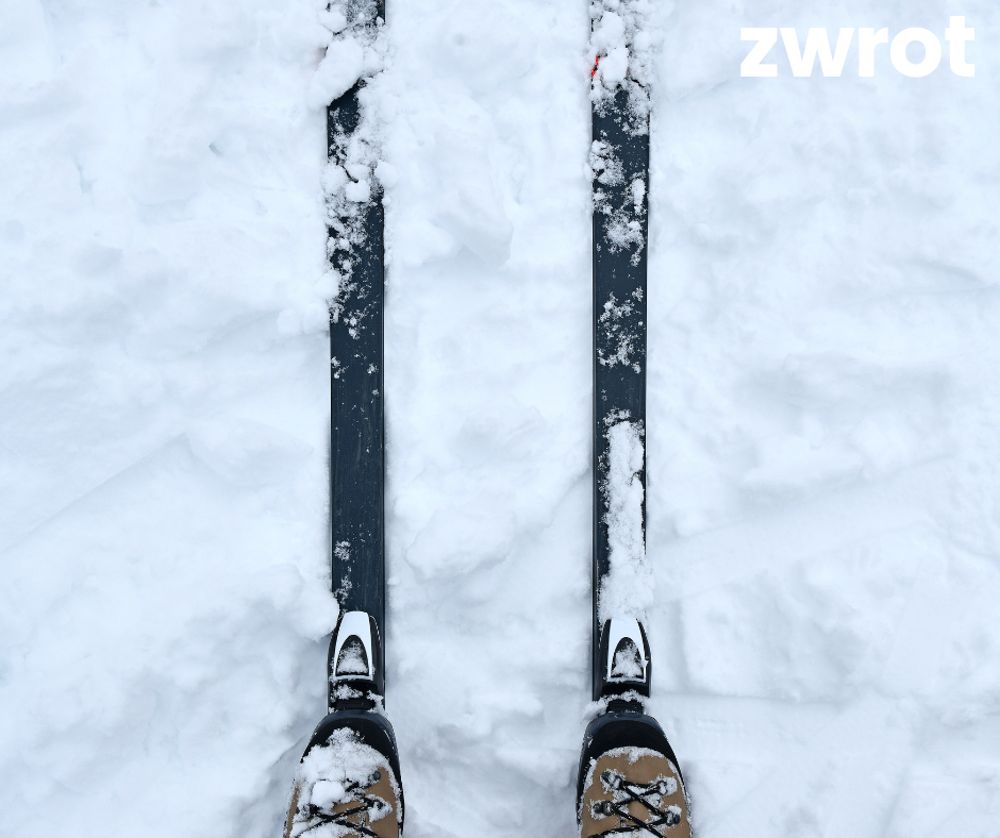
345,789
348,782
629,785
633,791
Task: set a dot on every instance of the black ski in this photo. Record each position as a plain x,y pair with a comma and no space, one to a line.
620,159
611,786
620,168
356,671
356,249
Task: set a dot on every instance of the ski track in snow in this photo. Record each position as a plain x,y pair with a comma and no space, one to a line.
823,494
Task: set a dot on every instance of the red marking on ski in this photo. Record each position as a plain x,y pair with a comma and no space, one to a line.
597,60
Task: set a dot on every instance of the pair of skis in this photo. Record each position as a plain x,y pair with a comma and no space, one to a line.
621,665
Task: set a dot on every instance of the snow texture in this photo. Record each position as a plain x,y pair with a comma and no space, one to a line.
342,770
622,205
627,589
623,42
822,442
354,56
616,324
352,660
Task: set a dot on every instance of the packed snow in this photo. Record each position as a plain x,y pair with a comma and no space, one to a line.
349,183
623,39
627,590
823,492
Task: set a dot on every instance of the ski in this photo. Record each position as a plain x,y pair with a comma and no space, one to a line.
349,776
619,161
629,781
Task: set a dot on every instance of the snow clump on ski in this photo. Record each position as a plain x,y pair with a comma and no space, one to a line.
621,43
626,589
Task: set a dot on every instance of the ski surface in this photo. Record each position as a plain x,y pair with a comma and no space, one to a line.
619,163
356,250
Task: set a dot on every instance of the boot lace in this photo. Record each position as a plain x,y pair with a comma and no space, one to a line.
660,818
357,816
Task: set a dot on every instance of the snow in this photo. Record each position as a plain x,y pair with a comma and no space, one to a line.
623,41
352,661
342,769
622,209
616,322
627,663
354,52
823,494
341,67
627,590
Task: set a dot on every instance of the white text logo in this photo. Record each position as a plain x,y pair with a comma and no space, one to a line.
914,52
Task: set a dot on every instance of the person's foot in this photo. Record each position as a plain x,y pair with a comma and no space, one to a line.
345,789
629,785
633,791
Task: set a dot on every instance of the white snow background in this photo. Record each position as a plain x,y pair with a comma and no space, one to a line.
823,443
